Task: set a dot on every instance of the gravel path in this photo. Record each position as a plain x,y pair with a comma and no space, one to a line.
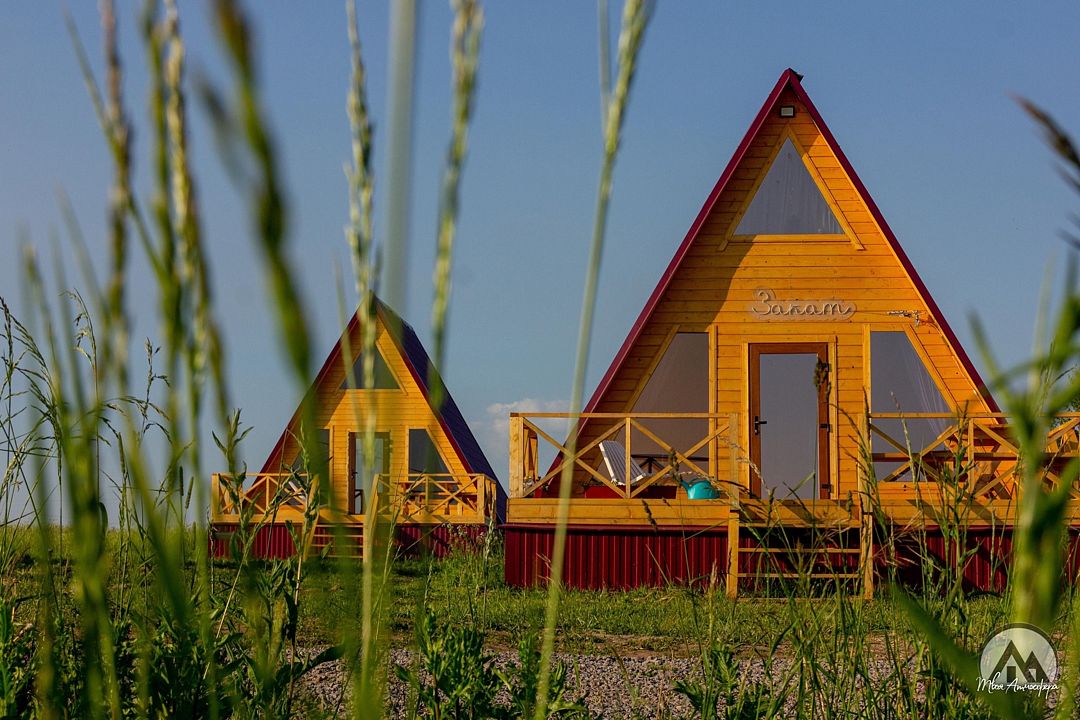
636,687
614,687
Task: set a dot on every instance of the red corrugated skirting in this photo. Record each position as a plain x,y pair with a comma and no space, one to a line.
619,557
274,541
616,558
438,540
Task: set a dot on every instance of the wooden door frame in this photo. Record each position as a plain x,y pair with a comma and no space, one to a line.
756,350
353,436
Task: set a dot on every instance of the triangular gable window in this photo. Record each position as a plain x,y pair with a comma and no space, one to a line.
899,379
679,384
384,379
901,384
788,201
424,457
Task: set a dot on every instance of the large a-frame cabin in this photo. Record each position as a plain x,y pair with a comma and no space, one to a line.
436,484
788,349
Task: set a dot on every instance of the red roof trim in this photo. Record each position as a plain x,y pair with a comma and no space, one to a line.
789,78
939,318
422,382
273,460
691,234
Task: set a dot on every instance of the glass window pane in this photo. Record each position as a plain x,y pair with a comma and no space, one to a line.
678,384
788,201
365,469
384,379
900,383
789,439
424,457
322,446
302,464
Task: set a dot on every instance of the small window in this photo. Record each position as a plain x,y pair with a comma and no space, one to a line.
788,201
384,379
424,457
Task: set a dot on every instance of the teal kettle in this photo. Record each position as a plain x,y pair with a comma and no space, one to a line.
699,488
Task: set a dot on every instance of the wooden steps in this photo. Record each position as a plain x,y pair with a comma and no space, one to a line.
788,554
337,540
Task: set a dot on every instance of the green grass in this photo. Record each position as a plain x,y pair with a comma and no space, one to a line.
138,621
665,620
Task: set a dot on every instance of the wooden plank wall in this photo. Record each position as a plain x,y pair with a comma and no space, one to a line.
720,275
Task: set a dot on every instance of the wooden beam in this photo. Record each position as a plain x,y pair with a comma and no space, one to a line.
517,456
733,512
866,522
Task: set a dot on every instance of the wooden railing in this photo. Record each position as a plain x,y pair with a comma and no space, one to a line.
663,463
417,498
977,451
438,497
227,500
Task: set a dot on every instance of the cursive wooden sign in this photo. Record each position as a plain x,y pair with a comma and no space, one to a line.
767,306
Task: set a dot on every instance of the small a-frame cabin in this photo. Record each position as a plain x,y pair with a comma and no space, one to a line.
790,376
437,486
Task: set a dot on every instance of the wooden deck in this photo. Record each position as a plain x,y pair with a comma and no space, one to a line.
426,499
920,507
966,475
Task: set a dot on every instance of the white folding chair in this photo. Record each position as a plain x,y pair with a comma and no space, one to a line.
615,461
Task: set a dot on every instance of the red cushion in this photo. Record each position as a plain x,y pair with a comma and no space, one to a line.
666,492
601,491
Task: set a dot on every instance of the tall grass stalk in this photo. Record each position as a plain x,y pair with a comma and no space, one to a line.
360,238
139,623
1041,534
464,61
164,623
634,21
368,693
403,30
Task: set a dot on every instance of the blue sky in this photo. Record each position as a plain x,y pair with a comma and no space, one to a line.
917,94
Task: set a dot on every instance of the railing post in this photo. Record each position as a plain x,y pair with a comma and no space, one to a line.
733,508
517,456
968,480
215,496
481,495
426,509
866,527
626,476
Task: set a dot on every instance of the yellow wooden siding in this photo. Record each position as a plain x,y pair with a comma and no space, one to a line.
395,411
718,279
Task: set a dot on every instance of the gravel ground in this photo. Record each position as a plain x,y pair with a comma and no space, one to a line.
614,687
636,687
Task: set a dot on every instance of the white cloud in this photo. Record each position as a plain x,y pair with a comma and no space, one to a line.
496,427
499,415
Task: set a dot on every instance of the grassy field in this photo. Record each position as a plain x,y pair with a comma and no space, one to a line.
824,651
127,616
468,589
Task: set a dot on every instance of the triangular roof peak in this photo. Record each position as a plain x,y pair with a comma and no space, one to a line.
789,85
423,373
